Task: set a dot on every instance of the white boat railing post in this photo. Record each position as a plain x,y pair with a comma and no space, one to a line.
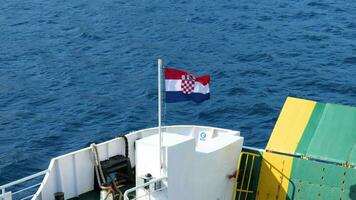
20,181
160,64
147,191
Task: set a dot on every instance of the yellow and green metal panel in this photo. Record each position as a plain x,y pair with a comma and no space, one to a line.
311,153
335,136
290,125
274,176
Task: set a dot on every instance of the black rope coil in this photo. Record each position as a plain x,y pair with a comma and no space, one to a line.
126,145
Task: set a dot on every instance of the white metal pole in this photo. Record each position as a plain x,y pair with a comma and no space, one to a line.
160,64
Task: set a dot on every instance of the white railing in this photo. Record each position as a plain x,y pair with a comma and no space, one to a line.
148,192
254,149
25,179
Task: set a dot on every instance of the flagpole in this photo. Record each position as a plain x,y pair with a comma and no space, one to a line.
160,64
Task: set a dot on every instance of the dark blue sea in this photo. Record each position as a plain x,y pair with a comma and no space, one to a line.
77,72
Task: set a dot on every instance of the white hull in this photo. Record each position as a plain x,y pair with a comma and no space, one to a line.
73,173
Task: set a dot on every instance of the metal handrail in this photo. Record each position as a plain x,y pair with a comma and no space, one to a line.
254,149
241,188
142,186
19,181
149,193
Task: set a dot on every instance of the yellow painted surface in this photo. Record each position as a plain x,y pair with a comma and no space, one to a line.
290,125
274,177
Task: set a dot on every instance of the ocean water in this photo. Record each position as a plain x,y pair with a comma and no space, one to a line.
77,72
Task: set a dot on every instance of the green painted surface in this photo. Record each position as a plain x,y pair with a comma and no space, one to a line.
335,136
330,135
95,194
310,129
350,184
317,180
307,191
305,174
333,175
352,156
92,195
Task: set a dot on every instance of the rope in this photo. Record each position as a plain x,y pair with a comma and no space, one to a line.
97,175
98,168
126,145
112,189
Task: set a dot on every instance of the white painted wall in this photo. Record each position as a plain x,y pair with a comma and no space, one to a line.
181,170
73,173
197,167
216,159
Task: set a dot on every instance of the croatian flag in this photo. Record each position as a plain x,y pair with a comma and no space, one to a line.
184,86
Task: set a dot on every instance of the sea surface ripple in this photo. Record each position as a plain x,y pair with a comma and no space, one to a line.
77,72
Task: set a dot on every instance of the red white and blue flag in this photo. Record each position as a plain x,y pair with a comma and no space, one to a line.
184,86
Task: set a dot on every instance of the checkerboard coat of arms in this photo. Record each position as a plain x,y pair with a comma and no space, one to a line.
187,85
